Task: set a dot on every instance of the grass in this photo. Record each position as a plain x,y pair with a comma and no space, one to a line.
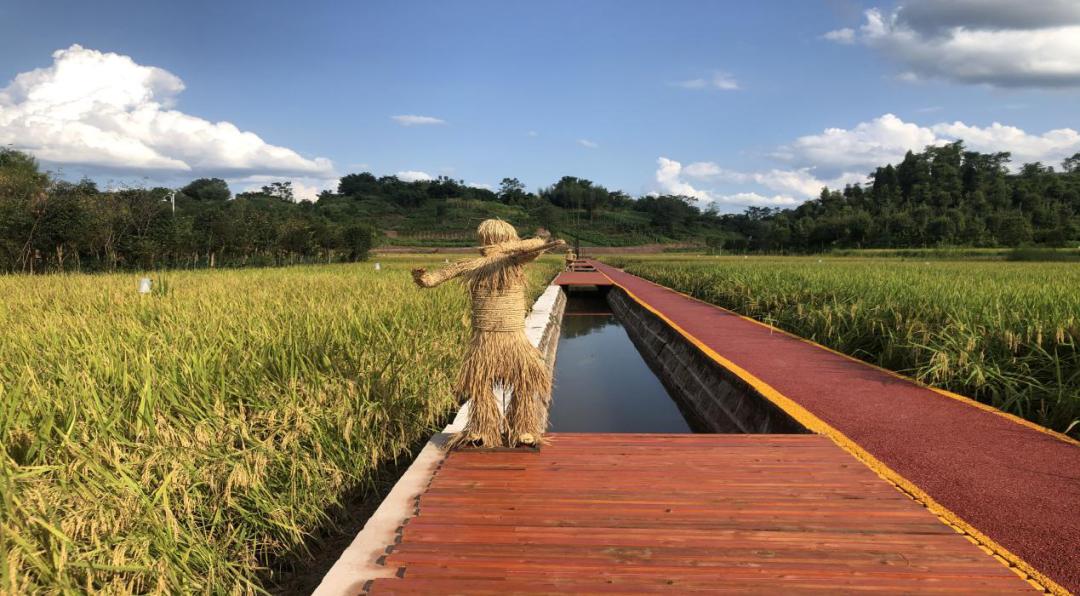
184,440
1004,333
966,254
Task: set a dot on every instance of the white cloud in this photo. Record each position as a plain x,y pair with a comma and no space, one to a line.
103,111
844,36
415,120
414,176
996,42
801,182
702,169
1050,147
669,180
482,185
532,133
757,200
586,143
718,80
304,189
867,145
885,140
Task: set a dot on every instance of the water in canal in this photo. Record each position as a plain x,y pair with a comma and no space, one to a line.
602,383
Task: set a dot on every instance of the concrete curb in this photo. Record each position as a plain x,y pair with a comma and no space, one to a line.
359,563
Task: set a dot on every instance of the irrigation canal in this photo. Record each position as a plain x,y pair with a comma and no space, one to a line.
602,383
819,473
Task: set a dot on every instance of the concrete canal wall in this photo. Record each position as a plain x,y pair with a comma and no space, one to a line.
717,400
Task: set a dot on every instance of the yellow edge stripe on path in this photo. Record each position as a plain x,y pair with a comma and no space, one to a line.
815,424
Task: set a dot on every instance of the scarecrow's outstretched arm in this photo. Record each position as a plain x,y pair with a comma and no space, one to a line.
516,247
426,279
536,248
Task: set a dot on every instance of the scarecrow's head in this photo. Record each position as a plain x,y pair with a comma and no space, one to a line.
496,231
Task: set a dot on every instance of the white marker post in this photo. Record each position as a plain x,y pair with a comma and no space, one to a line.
144,285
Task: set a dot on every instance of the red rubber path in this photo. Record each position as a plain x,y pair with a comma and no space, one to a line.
581,278
1015,484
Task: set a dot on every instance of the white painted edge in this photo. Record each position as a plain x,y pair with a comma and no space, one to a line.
359,563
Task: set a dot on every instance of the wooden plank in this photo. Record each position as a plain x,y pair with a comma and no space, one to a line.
677,514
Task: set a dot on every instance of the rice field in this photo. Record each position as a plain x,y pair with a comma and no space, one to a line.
185,439
1004,333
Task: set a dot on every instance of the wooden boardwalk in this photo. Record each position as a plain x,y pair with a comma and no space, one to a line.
631,514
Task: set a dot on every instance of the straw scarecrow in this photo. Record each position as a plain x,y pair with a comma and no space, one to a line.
499,352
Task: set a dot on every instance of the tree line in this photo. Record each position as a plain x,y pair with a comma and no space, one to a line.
56,225
941,196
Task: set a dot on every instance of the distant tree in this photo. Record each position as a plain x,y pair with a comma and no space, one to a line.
1013,229
207,189
279,190
358,184
22,196
296,237
512,192
1071,164
357,240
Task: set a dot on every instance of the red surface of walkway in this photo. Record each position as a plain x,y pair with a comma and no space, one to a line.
581,278
1012,483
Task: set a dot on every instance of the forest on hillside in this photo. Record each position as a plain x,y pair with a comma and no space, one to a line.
943,196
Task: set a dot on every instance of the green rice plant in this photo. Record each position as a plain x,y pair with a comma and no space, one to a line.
182,440
1003,333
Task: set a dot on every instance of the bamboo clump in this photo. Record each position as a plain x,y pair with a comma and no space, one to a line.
499,353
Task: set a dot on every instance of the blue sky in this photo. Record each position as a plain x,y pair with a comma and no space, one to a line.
735,103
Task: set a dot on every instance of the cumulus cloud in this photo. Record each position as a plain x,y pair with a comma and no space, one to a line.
670,180
586,143
867,145
415,120
885,140
1049,147
996,42
414,176
104,111
801,182
718,80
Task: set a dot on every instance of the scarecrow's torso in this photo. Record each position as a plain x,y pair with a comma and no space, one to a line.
498,301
